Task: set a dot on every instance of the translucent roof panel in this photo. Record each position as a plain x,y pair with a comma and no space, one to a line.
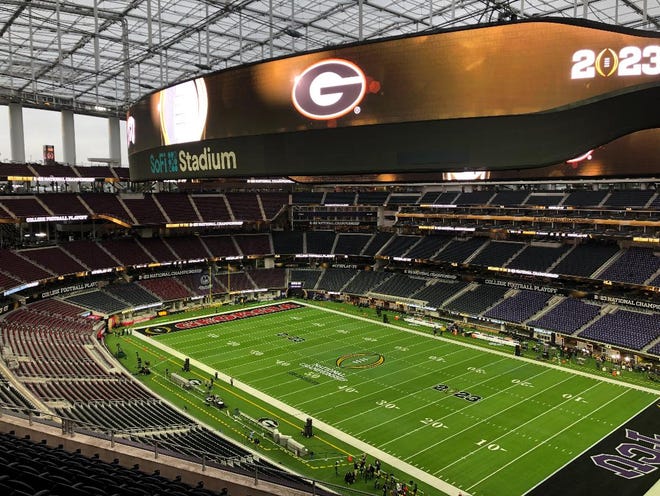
99,56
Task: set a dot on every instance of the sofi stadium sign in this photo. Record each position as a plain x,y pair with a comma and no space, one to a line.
173,161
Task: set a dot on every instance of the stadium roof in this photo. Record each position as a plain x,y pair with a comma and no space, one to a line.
98,56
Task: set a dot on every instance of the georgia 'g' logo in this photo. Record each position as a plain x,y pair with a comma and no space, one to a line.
329,89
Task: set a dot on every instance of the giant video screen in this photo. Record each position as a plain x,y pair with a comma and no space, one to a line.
486,97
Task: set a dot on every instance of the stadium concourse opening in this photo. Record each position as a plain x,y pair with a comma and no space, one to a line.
348,271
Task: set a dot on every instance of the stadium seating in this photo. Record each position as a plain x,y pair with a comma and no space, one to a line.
106,204
584,198
537,258
585,259
18,267
268,278
52,306
7,282
288,243
166,288
335,279
437,293
632,330
519,307
64,204
273,204
544,199
474,198
198,283
309,277
567,317
319,242
497,253
237,281
447,198
400,285
372,197
655,349
127,251
635,265
177,207
187,248
54,259
351,244
459,250
377,242
428,246
91,254
131,293
364,282
99,301
12,397
339,198
34,468
628,198
254,244
244,206
476,300
510,198
307,198
396,199
399,245
158,249
220,246
23,206
212,208
144,210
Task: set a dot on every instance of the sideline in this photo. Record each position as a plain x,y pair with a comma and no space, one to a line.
411,470
488,350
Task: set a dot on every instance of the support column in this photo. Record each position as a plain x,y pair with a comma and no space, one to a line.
68,138
16,134
114,139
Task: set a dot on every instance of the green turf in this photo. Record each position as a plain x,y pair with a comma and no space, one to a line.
530,419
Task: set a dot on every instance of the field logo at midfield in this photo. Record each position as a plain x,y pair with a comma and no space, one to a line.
219,319
360,360
157,331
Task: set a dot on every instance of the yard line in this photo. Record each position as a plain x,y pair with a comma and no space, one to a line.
452,413
471,426
398,371
344,341
548,439
497,352
534,419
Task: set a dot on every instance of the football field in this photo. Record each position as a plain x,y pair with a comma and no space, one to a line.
480,420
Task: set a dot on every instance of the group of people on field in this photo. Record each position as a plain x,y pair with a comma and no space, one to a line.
371,471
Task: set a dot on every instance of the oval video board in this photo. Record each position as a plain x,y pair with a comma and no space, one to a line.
483,98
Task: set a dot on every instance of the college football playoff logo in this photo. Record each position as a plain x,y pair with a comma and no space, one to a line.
329,89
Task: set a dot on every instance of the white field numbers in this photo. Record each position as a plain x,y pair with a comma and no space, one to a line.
387,404
490,446
436,424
